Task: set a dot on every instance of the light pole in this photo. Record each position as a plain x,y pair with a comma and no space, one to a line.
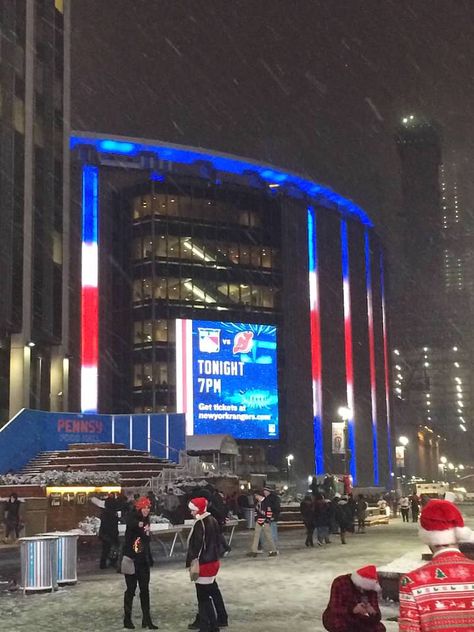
345,413
400,457
289,460
442,464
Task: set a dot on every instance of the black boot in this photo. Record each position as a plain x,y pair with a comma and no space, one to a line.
127,609
195,624
146,618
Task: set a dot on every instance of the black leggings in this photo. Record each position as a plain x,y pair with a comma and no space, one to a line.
142,578
209,598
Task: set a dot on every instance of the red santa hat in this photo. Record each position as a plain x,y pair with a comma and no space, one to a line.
198,504
441,523
366,578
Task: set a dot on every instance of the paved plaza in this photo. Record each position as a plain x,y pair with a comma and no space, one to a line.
282,594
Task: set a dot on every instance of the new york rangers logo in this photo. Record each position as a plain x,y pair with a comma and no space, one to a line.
243,342
209,340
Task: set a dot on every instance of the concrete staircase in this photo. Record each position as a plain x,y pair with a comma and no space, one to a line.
136,467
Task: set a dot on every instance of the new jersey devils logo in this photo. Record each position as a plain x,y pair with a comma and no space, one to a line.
243,342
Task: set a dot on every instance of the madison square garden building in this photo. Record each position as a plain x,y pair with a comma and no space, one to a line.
246,296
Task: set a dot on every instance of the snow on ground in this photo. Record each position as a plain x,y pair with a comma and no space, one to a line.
285,593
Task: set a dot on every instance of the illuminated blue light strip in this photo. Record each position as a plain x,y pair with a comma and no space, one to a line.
371,339
90,177
315,330
225,163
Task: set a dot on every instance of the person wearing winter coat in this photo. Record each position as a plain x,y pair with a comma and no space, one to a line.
353,604
204,545
307,513
344,518
12,517
137,552
361,510
263,518
322,519
415,507
109,532
275,504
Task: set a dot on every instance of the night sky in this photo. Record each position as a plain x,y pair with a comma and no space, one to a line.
317,86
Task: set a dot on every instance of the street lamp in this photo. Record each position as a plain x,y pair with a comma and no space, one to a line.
289,460
443,460
404,441
345,413
450,466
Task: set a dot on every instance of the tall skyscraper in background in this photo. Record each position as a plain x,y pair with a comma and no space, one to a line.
432,291
34,199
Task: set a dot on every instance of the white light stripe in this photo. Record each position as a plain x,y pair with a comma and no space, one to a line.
130,430
89,389
90,265
179,367
149,433
167,440
189,378
113,428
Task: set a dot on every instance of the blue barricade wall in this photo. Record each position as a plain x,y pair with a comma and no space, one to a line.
34,431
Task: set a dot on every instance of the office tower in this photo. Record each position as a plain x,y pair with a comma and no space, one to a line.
34,197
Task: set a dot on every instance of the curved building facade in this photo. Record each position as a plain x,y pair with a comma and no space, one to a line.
246,296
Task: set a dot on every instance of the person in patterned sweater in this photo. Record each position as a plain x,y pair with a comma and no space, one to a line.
439,596
353,604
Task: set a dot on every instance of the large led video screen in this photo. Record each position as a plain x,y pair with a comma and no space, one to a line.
226,378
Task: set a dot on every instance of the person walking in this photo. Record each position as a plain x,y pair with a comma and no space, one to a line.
344,518
109,532
263,518
12,518
136,563
275,505
353,605
361,511
415,507
204,546
439,596
322,519
405,508
307,513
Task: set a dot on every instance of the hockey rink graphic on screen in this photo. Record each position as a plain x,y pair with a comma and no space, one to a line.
226,378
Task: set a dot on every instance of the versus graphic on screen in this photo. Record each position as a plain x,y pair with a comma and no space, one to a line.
226,378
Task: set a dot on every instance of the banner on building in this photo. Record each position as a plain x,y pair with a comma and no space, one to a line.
338,438
400,455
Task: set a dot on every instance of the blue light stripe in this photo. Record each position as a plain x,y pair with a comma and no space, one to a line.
90,181
226,163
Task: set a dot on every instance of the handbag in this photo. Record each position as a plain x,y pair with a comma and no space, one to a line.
127,567
194,566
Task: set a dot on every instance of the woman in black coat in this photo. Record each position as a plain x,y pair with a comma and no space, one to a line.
344,518
136,551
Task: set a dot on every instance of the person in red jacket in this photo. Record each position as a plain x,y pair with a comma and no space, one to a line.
353,605
439,596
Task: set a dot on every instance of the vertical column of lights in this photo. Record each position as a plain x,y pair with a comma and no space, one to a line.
184,372
386,367
426,365
315,332
373,380
459,396
346,289
89,290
